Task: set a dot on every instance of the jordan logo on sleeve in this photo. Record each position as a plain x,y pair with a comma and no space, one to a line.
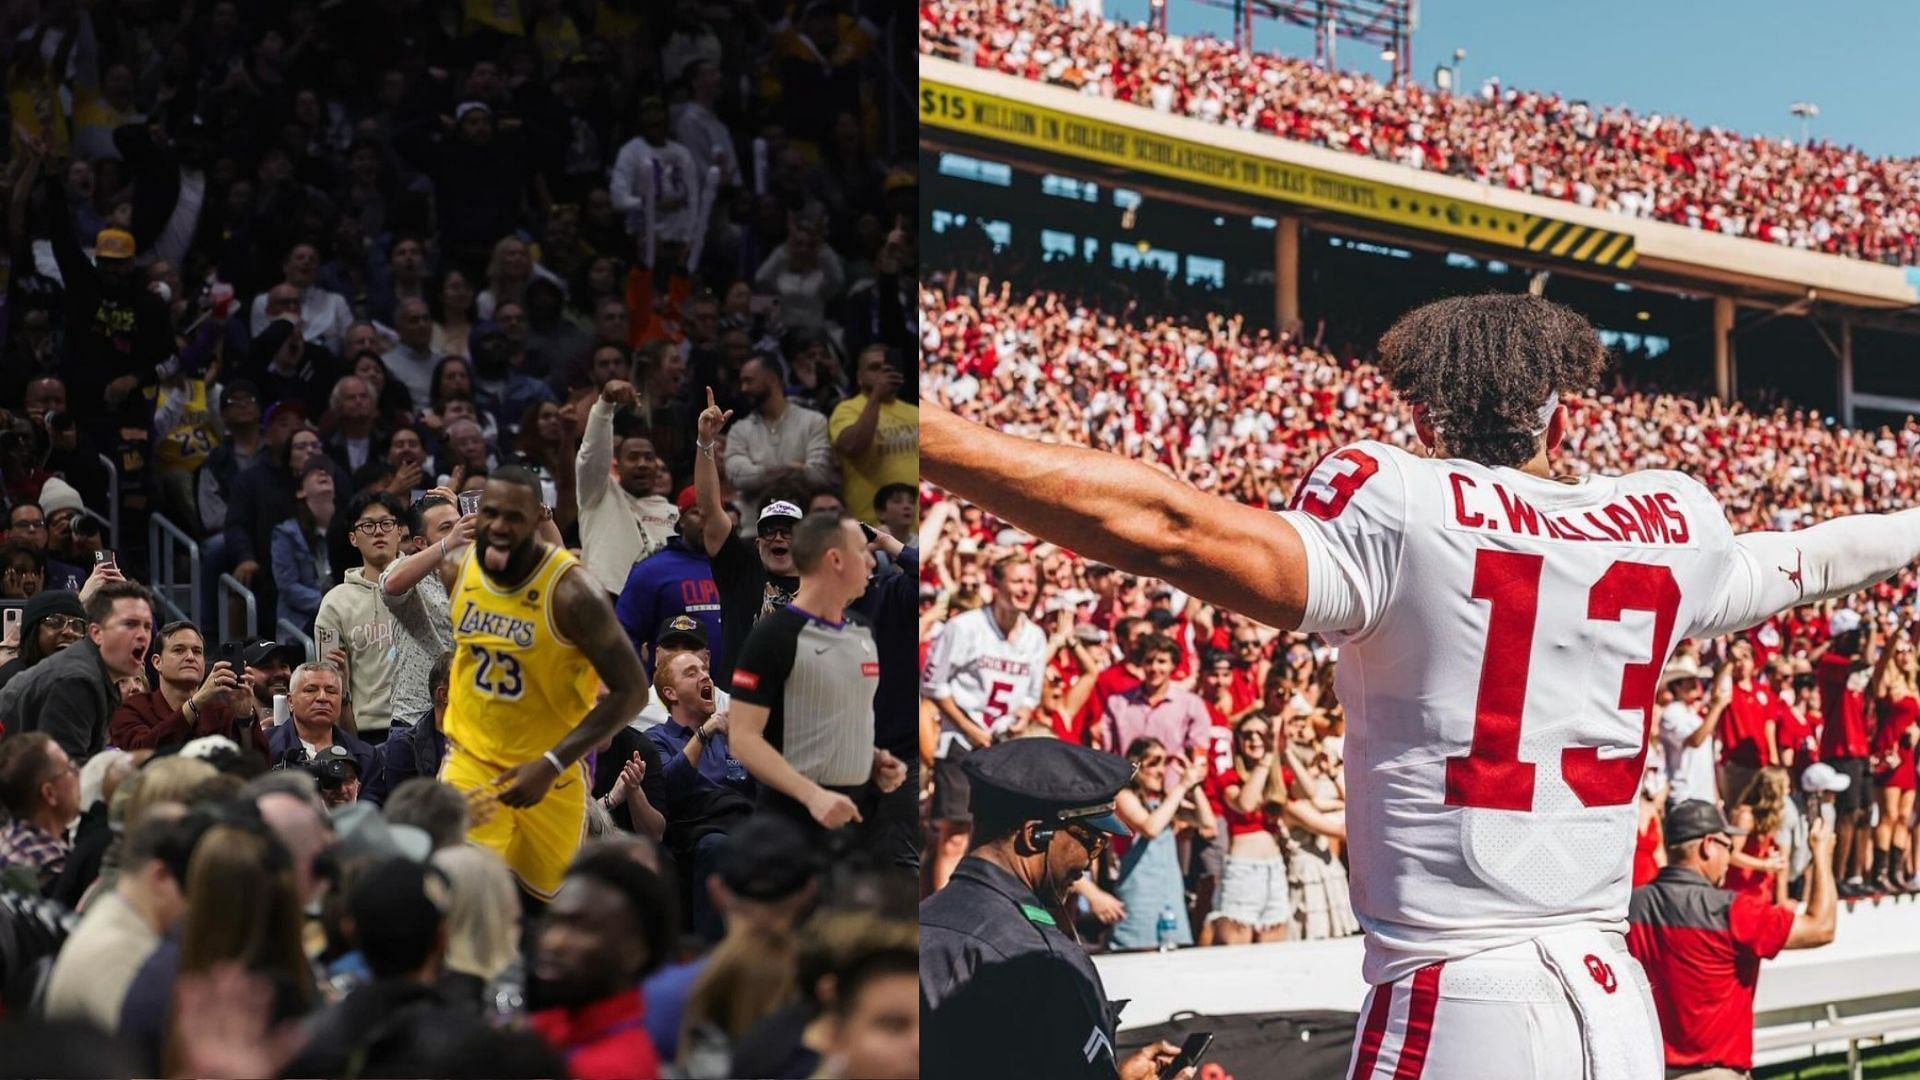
1794,575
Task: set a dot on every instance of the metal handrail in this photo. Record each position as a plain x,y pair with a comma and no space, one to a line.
285,631
113,502
230,584
164,538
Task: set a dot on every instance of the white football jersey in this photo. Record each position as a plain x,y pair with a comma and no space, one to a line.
1499,677
988,675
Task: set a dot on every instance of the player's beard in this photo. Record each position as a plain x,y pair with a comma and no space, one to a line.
508,567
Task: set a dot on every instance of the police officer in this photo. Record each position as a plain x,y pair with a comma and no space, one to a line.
1004,991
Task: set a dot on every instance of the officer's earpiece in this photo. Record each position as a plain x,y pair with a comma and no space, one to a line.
1034,841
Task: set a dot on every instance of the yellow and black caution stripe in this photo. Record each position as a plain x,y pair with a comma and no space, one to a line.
1581,243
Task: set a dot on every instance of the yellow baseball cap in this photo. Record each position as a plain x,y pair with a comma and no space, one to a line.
113,244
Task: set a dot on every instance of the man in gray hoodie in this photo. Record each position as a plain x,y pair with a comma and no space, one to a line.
352,615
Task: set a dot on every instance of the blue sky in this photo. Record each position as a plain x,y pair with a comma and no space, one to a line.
1736,63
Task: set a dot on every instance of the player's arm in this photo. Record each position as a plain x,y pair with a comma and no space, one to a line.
1123,513
582,615
1768,572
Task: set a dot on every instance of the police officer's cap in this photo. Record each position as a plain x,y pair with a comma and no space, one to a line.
1051,781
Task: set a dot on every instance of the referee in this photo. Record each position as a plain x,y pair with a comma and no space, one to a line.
802,712
1004,992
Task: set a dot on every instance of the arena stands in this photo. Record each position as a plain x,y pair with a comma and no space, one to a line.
288,288
1814,196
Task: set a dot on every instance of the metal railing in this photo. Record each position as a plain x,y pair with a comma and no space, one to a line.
165,541
113,503
285,631
230,585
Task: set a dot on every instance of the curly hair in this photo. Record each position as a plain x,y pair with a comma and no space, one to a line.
1482,365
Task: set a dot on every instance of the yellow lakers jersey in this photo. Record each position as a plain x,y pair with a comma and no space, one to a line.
183,420
517,687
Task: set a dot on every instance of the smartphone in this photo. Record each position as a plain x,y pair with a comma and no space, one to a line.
105,558
326,639
469,502
868,531
10,623
1190,1054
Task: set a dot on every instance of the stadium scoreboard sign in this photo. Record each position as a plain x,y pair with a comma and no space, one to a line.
990,116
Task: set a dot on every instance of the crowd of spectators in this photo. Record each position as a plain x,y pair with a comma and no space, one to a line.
1812,195
1244,723
301,278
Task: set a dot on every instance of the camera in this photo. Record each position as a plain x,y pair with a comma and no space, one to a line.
331,768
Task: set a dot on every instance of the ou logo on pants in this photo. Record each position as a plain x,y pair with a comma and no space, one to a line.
1602,973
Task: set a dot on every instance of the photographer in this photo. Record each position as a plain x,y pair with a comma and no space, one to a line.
315,699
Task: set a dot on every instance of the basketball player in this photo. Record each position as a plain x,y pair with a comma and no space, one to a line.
532,641
1501,631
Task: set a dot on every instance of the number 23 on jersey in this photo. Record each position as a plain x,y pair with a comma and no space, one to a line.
497,674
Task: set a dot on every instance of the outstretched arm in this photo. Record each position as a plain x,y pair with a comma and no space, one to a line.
1773,571
1125,514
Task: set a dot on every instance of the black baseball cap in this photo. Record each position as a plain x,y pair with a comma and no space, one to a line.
767,858
1049,780
1695,818
684,627
257,651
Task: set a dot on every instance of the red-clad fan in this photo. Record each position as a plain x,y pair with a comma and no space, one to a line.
1841,674
1896,674
1254,904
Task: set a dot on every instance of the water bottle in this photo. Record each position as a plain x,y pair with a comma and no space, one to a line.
1167,929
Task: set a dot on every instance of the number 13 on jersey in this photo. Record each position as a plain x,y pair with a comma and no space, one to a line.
1491,774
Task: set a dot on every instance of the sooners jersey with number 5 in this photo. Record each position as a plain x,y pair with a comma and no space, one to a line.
1502,640
988,675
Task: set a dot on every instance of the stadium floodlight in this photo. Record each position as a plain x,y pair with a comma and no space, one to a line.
1388,55
1443,78
1806,111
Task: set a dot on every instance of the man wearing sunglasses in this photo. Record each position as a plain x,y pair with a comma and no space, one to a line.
353,615
1004,991
754,577
1702,945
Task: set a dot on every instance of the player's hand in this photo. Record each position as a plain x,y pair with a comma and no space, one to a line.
620,392
525,783
712,419
889,772
832,809
1146,1063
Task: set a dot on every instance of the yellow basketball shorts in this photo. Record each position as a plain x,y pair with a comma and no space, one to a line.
538,842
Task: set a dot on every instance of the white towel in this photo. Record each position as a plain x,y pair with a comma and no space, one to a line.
1618,1028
